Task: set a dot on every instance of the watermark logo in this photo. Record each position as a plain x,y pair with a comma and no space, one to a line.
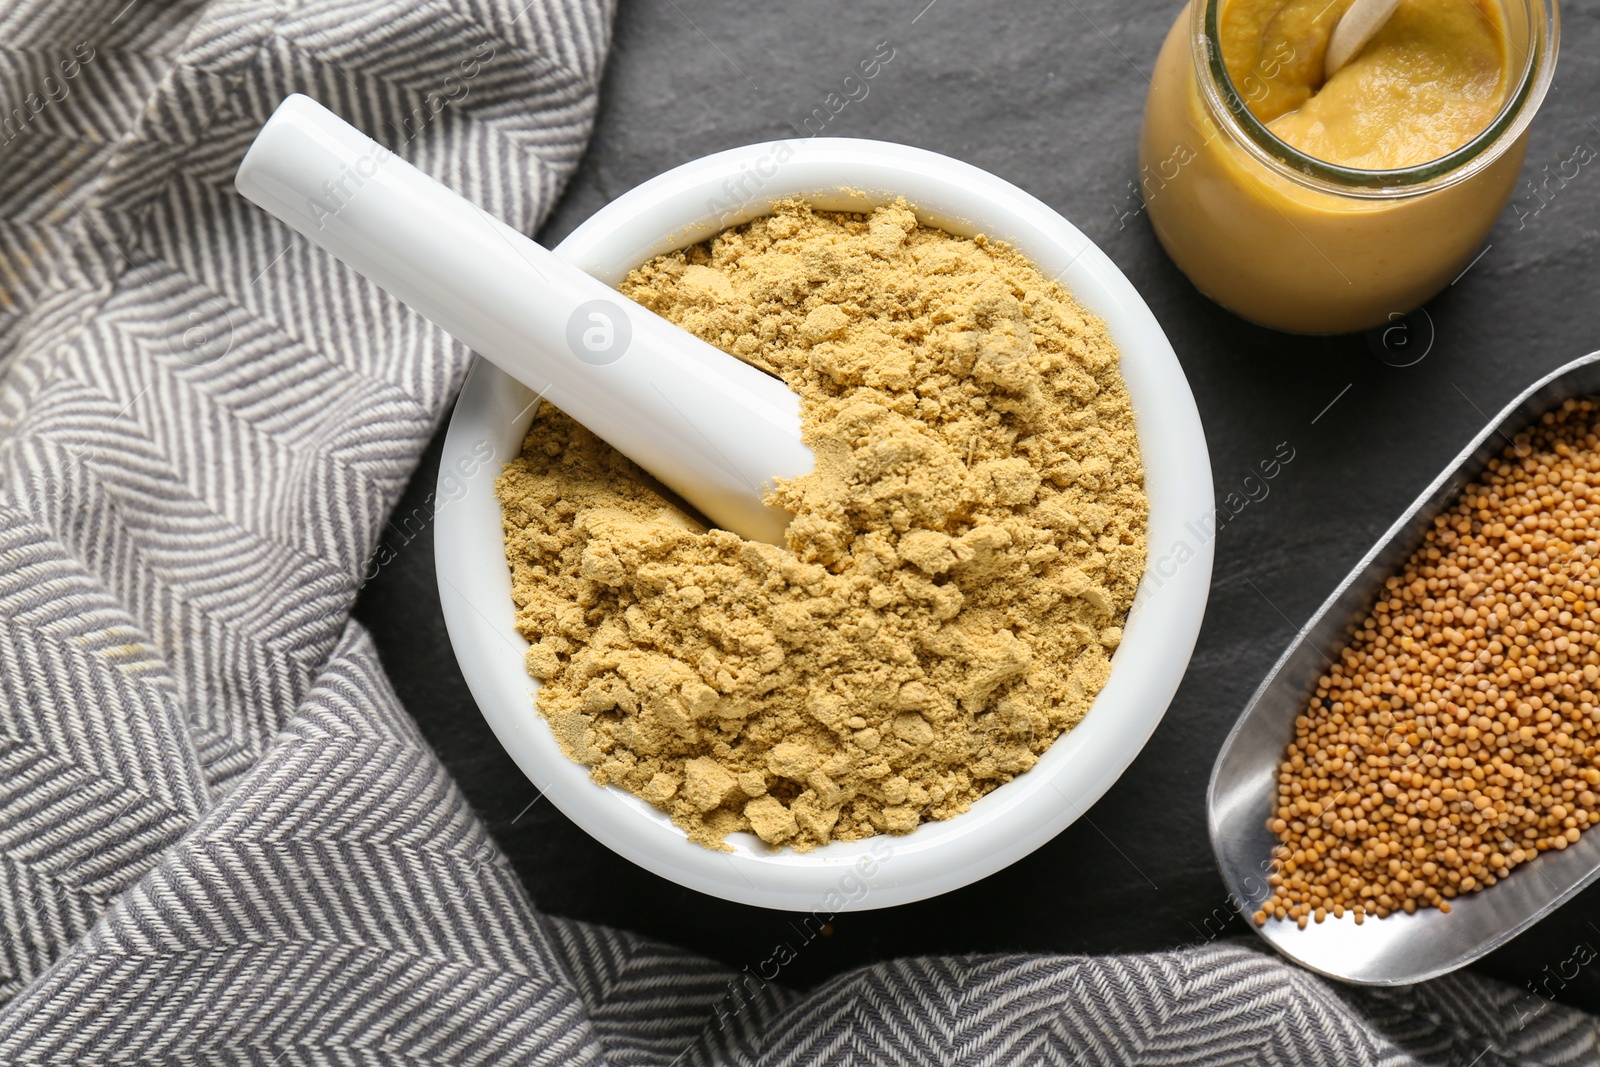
1552,979
453,90
853,90
1153,179
1544,187
207,333
16,118
452,486
1200,530
1405,340
598,332
337,193
740,192
351,178
852,887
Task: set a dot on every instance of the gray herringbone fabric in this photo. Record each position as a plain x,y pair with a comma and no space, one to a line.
221,839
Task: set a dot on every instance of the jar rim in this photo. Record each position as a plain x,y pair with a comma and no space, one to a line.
1229,109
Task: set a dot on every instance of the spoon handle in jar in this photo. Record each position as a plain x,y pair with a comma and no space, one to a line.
1360,23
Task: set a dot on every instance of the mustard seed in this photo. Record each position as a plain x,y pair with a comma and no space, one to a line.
1455,736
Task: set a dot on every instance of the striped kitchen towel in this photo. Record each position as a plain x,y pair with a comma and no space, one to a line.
222,840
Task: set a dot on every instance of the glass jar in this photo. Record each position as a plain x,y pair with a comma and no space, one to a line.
1298,244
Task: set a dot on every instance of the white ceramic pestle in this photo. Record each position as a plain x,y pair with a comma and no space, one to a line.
714,429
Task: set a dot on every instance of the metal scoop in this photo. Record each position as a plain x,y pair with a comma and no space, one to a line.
715,430
1402,948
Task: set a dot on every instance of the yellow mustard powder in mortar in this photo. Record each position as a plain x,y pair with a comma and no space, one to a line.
957,573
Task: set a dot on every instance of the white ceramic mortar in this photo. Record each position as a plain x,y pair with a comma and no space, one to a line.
687,205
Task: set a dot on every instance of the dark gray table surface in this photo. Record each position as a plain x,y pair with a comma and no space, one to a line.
1049,96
